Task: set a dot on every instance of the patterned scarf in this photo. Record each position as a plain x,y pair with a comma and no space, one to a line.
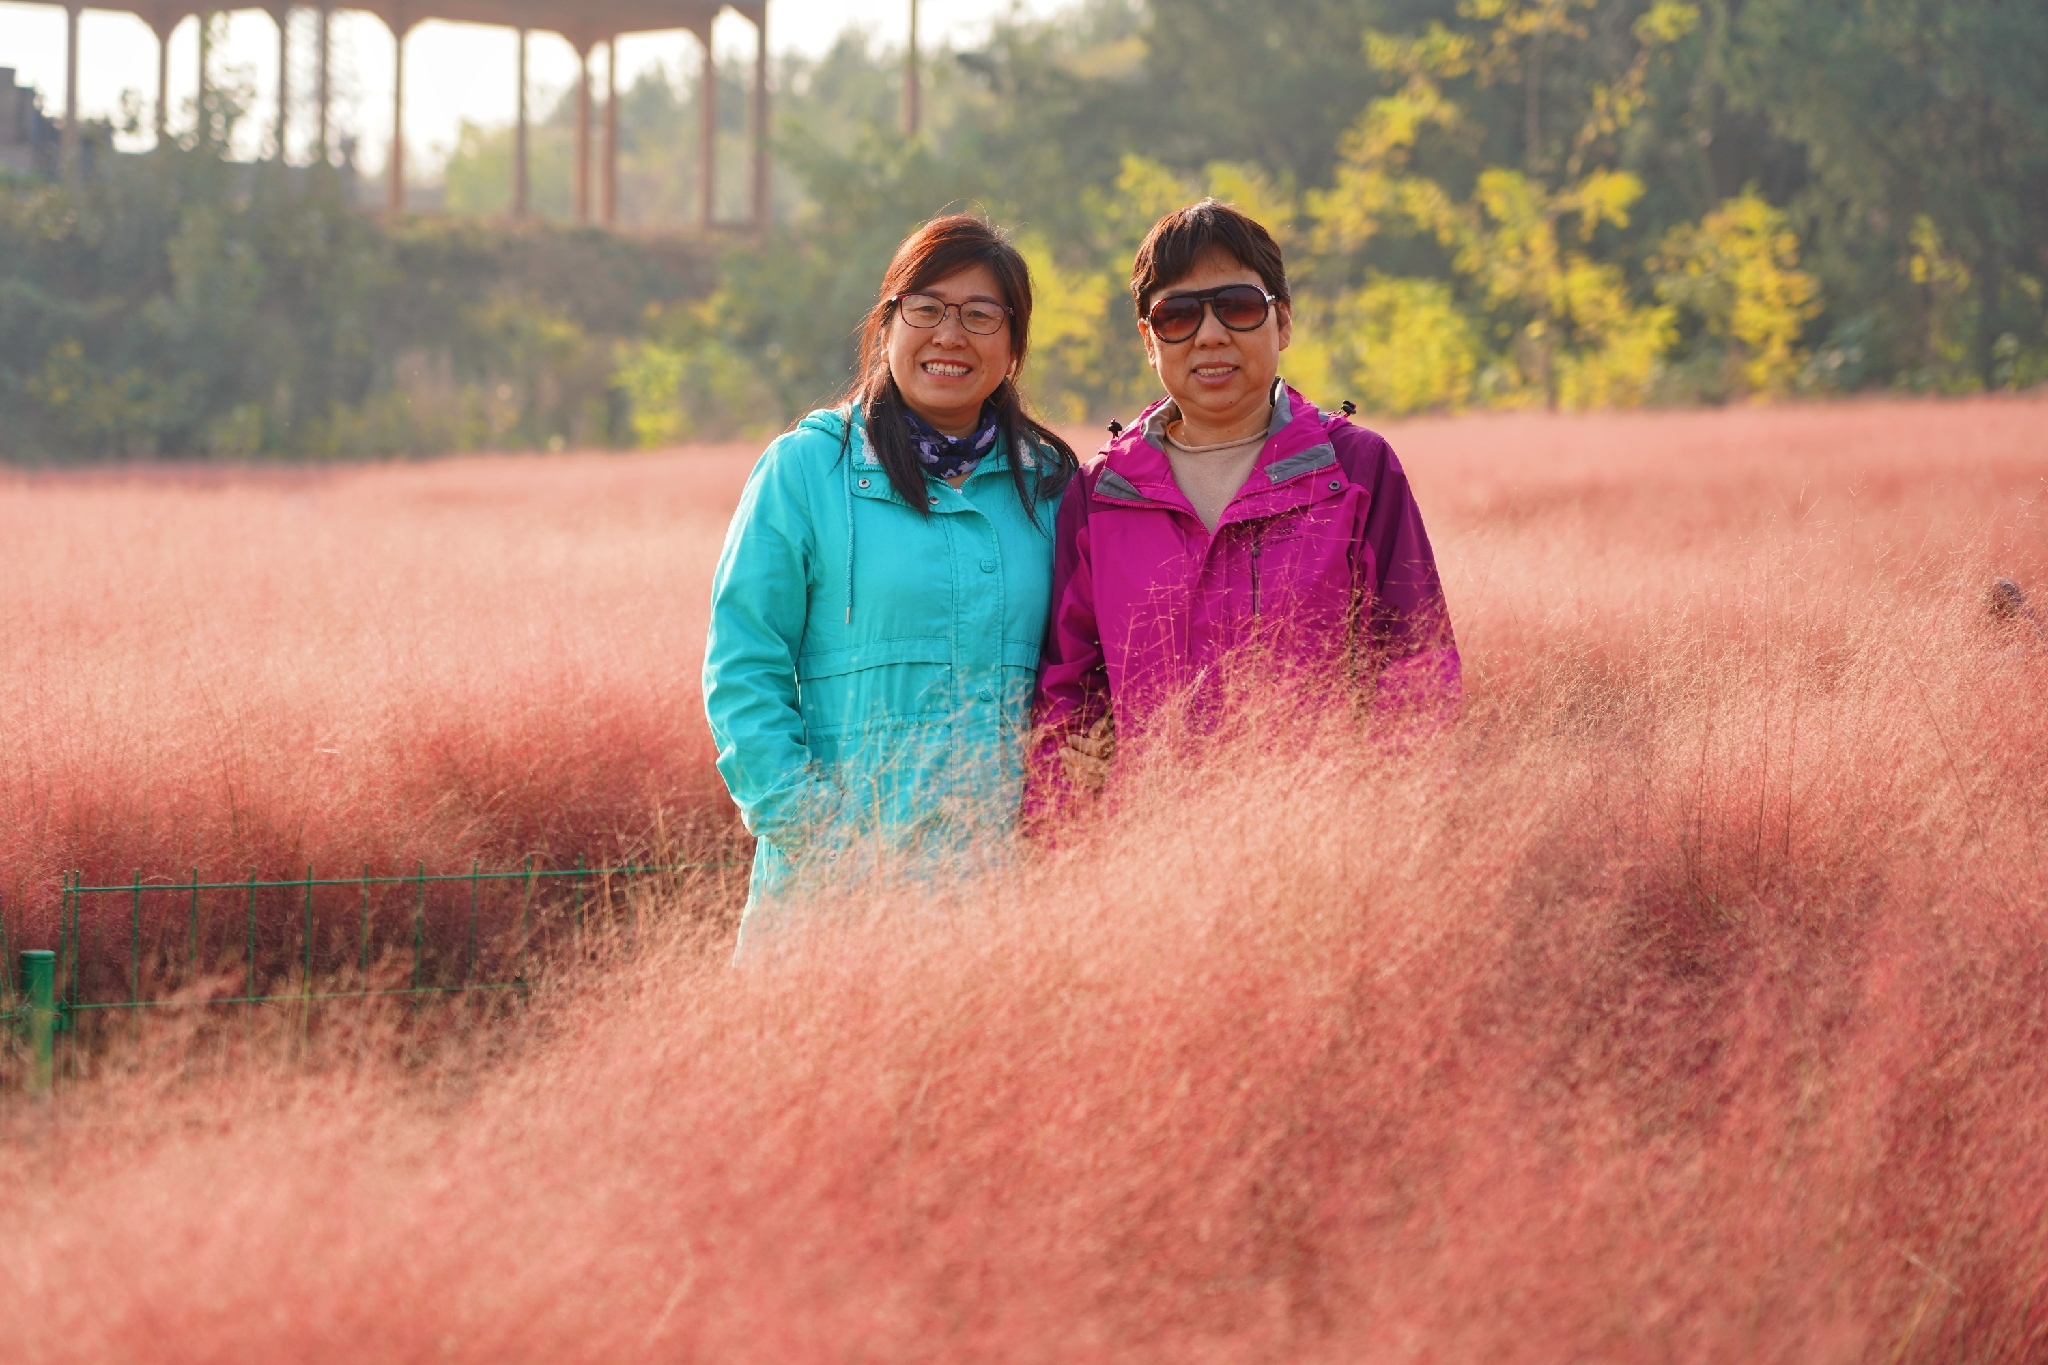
948,457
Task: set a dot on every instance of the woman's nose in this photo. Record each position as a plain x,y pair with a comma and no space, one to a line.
1212,332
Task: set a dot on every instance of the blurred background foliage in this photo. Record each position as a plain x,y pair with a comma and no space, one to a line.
1569,203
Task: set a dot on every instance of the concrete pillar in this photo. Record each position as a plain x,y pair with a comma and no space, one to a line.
68,146
582,130
202,134
707,132
611,132
282,17
163,78
522,185
760,186
394,193
326,89
912,95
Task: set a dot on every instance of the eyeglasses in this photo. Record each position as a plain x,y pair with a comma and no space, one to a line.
1240,307
978,316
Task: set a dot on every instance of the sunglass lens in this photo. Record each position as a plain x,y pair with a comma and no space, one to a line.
1241,308
1176,319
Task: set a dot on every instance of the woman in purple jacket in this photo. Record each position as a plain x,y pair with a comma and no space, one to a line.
1234,521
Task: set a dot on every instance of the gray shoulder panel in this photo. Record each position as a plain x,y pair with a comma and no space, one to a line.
1115,485
1315,457
1283,411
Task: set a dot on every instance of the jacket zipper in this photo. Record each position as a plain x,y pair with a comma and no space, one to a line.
1258,534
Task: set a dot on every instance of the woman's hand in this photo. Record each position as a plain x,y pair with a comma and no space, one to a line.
1086,757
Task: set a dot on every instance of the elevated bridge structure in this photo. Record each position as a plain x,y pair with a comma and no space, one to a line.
586,24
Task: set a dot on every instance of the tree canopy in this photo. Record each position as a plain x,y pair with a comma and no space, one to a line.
1483,202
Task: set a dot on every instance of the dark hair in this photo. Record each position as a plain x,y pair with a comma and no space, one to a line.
942,248
1177,241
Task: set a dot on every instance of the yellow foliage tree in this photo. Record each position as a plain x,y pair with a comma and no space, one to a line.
1250,189
1738,269
1072,322
1524,239
1086,356
1941,285
1407,347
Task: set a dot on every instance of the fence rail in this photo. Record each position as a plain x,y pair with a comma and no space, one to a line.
57,988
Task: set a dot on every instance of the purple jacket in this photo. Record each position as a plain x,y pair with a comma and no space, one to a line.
1321,556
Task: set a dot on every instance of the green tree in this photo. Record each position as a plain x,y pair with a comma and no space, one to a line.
1912,110
1737,272
1528,241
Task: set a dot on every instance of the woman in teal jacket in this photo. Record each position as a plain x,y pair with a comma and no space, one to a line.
878,609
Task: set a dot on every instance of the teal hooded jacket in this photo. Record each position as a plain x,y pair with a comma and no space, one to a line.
869,670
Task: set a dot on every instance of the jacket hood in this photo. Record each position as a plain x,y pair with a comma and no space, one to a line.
831,421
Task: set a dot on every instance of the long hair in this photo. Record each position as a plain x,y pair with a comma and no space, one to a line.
942,248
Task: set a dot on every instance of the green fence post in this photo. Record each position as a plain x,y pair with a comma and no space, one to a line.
251,990
39,975
135,944
67,933
525,918
469,967
363,965
419,927
307,969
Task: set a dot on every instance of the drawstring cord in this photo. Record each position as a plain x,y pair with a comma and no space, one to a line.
862,435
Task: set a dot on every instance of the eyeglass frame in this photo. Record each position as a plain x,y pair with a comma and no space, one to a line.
954,309
1207,298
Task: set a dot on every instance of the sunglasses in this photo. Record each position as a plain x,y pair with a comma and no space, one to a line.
1240,307
982,317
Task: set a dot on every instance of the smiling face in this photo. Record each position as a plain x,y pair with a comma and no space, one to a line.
1221,380
946,372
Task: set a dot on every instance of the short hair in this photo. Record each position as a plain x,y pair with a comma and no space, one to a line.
1178,240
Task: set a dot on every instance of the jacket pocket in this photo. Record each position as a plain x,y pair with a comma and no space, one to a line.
875,684
1019,683
832,663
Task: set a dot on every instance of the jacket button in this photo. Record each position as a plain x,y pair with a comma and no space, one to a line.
864,483
986,695
1334,485
988,566
933,499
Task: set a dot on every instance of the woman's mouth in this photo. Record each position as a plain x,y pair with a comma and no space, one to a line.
1214,374
946,369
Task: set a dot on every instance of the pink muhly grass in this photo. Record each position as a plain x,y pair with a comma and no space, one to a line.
1686,1002
481,659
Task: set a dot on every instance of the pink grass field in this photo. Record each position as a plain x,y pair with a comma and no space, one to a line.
1688,1002
470,660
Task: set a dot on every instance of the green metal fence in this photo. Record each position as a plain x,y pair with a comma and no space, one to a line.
457,945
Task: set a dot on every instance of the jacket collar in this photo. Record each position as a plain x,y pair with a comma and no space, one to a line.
869,481
1152,426
1135,468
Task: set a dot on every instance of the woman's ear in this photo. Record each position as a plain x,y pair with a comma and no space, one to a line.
1151,353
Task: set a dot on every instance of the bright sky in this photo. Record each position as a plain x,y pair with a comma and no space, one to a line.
453,71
